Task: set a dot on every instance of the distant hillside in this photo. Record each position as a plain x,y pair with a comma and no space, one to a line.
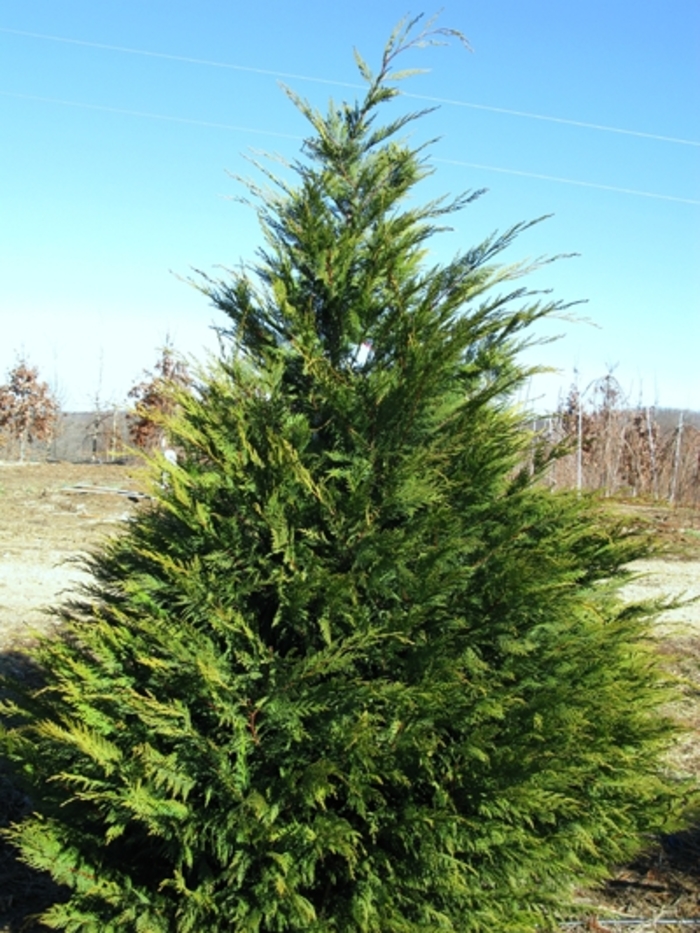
668,418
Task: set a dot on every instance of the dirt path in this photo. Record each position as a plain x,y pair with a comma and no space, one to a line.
49,515
673,579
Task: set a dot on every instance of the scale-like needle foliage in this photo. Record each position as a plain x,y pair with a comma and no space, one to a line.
352,670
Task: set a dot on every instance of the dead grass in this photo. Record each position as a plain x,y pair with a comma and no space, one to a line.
677,529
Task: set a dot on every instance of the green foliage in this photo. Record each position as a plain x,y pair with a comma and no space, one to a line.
353,670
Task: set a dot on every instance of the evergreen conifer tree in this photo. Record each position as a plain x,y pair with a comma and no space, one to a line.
354,670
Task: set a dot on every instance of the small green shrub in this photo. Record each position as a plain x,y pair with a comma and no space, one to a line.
353,670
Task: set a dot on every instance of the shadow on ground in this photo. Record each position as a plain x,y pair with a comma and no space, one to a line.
663,883
24,891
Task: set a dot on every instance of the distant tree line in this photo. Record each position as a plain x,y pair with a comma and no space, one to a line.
32,425
613,447
621,449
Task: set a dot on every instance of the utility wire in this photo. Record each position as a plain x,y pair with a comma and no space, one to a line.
246,129
570,181
298,77
539,116
148,116
179,58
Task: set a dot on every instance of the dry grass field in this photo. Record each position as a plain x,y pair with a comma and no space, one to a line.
51,513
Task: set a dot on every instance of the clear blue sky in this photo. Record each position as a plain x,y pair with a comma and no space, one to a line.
113,167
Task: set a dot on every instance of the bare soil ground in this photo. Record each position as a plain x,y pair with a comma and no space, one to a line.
51,513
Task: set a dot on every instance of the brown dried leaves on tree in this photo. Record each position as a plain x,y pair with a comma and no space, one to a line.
28,409
621,448
153,399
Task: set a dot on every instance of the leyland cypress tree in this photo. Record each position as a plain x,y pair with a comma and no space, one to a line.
354,670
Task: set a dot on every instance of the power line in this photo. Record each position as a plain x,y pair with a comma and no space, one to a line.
179,58
569,181
246,129
299,77
148,116
539,116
